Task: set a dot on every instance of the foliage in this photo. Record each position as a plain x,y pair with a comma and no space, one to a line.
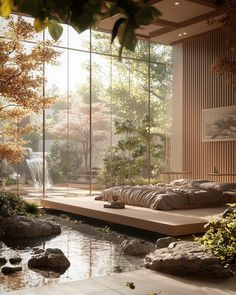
82,15
220,238
105,230
31,208
11,204
21,80
127,161
227,65
32,140
8,181
127,94
79,126
64,161
5,169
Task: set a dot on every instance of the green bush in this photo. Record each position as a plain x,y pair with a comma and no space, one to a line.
11,204
31,208
220,238
63,162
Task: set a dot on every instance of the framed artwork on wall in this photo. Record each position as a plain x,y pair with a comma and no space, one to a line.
219,124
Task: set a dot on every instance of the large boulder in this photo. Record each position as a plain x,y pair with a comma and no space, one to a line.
20,227
186,258
51,259
135,247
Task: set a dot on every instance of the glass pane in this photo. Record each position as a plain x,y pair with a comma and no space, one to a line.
161,99
78,159
160,53
56,124
101,42
79,41
139,139
141,50
101,118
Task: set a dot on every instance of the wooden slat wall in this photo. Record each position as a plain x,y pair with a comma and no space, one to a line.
204,89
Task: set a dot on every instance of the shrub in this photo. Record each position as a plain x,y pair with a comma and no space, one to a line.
63,162
11,204
220,238
31,208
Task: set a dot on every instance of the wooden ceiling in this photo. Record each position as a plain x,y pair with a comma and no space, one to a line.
180,19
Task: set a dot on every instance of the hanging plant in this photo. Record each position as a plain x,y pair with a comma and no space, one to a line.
84,14
227,64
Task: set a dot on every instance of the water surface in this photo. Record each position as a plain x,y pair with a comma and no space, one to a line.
89,258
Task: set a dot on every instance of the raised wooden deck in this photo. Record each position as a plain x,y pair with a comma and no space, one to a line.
172,222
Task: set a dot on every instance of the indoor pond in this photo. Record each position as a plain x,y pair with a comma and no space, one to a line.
90,256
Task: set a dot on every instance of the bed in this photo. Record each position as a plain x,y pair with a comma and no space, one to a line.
179,194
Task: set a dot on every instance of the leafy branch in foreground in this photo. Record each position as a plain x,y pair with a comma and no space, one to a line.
220,238
82,15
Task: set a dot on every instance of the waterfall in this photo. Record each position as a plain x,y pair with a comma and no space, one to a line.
35,164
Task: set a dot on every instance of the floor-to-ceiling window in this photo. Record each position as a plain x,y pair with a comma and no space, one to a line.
111,122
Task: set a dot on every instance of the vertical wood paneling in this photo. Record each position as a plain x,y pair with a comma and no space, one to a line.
204,89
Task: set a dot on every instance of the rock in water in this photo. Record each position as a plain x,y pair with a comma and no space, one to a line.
164,242
135,247
15,260
6,270
53,259
3,261
186,258
20,227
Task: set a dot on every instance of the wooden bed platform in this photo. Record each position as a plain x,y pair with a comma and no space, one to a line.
172,222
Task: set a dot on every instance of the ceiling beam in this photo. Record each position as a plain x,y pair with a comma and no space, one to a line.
149,3
187,23
165,23
140,2
209,3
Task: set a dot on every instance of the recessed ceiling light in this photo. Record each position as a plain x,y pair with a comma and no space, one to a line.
180,35
177,3
184,33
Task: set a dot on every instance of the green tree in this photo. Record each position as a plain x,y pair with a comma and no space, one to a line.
126,92
128,160
64,161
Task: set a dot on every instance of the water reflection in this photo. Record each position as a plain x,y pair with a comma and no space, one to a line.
88,256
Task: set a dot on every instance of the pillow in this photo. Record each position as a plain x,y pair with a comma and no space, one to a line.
179,182
218,186
198,182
